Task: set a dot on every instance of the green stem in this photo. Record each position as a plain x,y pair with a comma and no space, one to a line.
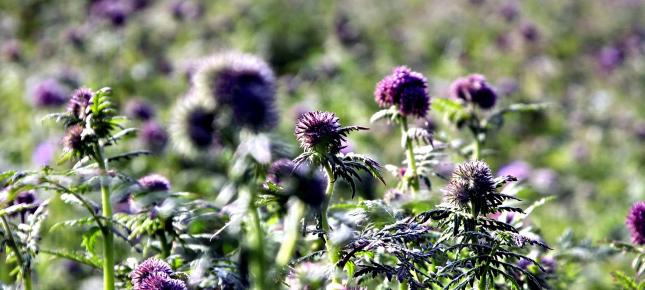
108,237
403,286
165,246
292,230
257,245
24,270
411,172
477,148
332,252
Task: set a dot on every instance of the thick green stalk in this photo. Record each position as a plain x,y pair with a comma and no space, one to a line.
477,148
108,237
256,242
26,273
411,172
332,252
292,230
165,246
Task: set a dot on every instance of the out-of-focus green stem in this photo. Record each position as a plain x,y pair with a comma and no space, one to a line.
411,172
108,237
165,246
332,252
25,271
258,266
292,231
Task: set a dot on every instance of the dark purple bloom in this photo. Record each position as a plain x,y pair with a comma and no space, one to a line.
320,132
243,84
186,10
154,136
472,180
518,169
43,153
406,89
73,140
115,11
524,264
154,182
80,100
139,110
509,11
49,93
161,281
610,57
148,268
530,32
549,263
193,127
475,89
301,181
201,128
636,223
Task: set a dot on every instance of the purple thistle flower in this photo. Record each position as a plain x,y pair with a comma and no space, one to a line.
80,100
160,281
474,88
154,182
139,110
610,58
115,11
243,84
509,11
636,223
549,263
301,181
405,88
530,32
73,140
154,136
320,132
43,153
49,93
518,169
470,181
193,127
149,268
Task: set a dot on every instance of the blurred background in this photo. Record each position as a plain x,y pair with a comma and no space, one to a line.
584,58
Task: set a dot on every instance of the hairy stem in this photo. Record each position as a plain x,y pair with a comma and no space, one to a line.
292,229
108,237
256,242
24,270
332,252
411,172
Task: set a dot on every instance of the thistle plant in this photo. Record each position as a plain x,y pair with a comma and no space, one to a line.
484,249
321,136
404,94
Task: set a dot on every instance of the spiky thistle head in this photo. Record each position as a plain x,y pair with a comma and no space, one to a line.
471,182
161,281
636,223
308,185
406,89
147,268
154,182
241,83
73,140
474,89
321,132
77,105
192,126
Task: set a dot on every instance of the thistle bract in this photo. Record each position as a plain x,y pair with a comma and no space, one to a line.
636,223
406,89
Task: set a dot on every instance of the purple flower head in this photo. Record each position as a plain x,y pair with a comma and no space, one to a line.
154,136
147,269
43,153
405,88
115,11
49,93
475,89
549,263
73,140
154,182
139,110
243,84
80,100
610,57
320,132
518,169
509,11
161,281
300,181
530,32
636,223
524,264
470,181
186,10
193,127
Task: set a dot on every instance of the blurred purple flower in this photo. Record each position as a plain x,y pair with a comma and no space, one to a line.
518,169
115,11
609,58
509,11
186,10
405,88
49,93
636,223
549,263
544,180
474,88
43,153
139,110
154,136
154,182
12,50
530,32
